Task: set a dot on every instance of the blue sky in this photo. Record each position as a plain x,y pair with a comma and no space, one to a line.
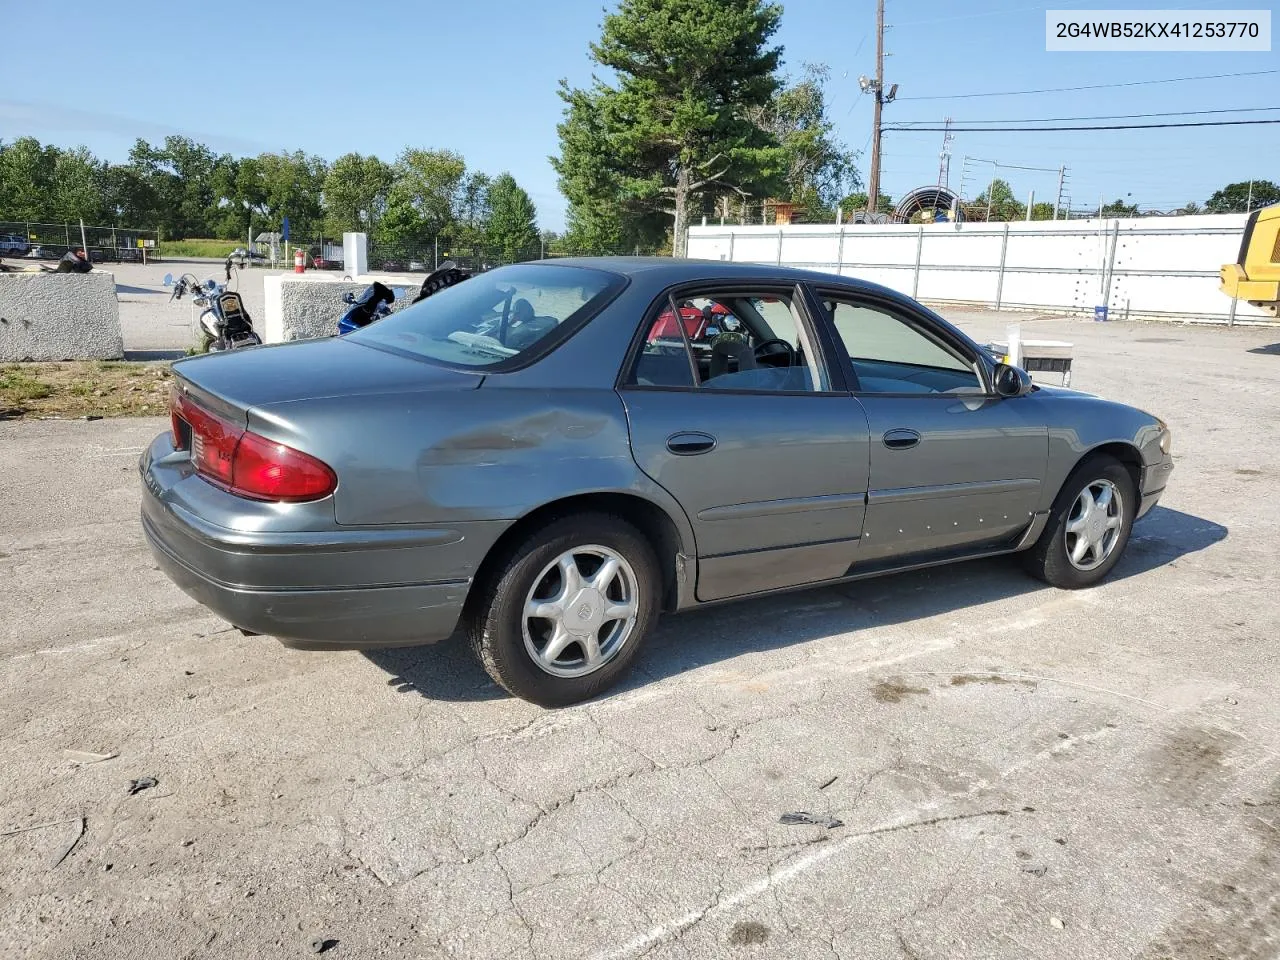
481,78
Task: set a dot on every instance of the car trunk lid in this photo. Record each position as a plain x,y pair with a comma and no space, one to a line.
231,382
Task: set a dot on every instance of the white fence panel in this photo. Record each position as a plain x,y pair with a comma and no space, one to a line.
1144,267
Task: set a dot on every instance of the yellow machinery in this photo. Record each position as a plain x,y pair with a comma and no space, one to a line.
1256,278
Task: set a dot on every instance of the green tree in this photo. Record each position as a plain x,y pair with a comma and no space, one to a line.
130,199
858,201
355,193
999,199
819,169
1242,196
259,192
1118,208
180,177
473,211
292,184
1042,210
513,219
675,125
423,198
591,182
1191,209
27,179
240,194
79,187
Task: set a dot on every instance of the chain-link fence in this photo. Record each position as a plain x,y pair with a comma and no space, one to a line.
425,256
50,241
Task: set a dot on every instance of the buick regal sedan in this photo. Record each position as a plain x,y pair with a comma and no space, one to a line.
549,455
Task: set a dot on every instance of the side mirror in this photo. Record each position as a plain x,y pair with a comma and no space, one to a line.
1011,381
168,279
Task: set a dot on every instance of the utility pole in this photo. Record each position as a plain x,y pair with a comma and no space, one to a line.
873,181
876,86
1248,207
1062,172
944,158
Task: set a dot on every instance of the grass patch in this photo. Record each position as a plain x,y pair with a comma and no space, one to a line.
198,248
18,386
85,388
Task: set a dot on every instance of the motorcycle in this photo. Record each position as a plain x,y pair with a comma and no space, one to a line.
372,305
445,275
376,300
224,324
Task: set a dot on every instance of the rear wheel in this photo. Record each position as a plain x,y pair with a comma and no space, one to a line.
1088,526
562,617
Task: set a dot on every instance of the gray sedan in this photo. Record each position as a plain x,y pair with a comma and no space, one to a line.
551,454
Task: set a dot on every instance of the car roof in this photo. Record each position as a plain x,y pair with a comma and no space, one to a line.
669,270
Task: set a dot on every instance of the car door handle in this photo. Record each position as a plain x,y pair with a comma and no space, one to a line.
901,439
690,443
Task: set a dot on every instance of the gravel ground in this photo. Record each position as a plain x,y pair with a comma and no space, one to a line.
1019,772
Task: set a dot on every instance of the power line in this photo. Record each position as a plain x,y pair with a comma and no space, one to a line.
1011,166
1116,116
1093,86
968,16
1115,126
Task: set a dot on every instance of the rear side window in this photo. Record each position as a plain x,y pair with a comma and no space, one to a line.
729,340
496,319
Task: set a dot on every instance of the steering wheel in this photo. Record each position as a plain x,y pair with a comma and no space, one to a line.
767,350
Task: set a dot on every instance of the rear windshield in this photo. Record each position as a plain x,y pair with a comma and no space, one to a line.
499,318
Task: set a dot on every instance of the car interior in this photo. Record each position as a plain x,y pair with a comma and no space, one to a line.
738,342
753,342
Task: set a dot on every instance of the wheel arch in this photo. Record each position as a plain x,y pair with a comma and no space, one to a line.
672,546
1127,453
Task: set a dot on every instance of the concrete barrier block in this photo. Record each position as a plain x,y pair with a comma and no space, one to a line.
59,316
301,308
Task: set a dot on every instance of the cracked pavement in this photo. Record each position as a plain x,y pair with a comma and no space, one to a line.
1019,771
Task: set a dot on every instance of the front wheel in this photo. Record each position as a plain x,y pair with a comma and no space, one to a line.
1088,526
562,618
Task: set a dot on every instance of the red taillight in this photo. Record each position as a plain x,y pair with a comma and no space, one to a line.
267,470
245,463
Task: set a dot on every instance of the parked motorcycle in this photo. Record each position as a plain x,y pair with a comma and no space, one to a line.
445,275
373,304
376,300
224,323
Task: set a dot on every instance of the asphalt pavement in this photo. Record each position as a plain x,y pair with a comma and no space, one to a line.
1016,771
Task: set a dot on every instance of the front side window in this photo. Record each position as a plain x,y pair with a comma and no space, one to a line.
729,341
890,355
495,318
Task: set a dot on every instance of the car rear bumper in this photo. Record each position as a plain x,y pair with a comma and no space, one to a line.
1155,477
353,588
350,619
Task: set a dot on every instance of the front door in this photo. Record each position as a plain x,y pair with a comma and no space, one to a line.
951,465
732,410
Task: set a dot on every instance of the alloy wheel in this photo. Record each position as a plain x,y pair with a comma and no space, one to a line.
1094,524
581,611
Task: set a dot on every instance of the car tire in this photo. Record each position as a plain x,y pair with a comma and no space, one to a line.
516,648
1051,559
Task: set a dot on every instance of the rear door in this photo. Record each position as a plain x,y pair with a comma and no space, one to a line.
952,466
764,449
